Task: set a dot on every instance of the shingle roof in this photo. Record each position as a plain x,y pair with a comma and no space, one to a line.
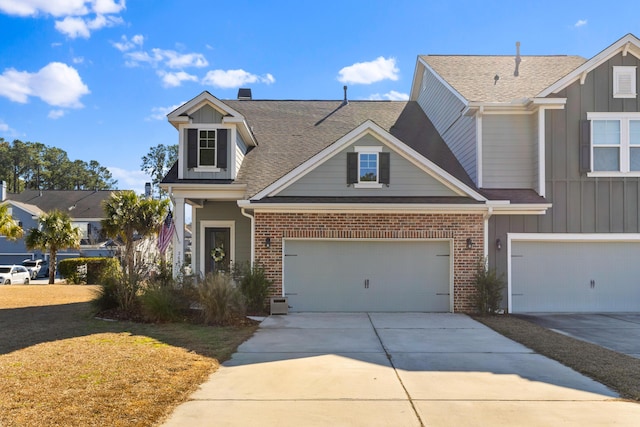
290,132
474,76
78,204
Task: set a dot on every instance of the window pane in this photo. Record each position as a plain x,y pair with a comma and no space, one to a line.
207,157
634,132
634,159
606,132
211,134
203,134
606,159
368,167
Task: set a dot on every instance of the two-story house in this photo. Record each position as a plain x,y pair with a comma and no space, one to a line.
529,161
568,128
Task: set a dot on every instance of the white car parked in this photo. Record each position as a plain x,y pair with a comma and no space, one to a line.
34,266
11,274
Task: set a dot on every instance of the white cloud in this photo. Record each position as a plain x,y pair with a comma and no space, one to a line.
75,14
129,180
57,84
4,127
125,44
160,113
391,96
78,27
78,60
168,58
369,72
234,78
580,23
176,79
55,114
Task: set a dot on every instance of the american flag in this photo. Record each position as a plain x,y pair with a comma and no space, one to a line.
166,233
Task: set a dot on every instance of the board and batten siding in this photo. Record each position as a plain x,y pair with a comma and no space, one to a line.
445,110
207,115
509,151
330,178
223,211
581,204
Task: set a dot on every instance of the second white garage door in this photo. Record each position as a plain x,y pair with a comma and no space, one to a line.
394,276
575,276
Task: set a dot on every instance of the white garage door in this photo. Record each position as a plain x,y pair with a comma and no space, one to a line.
324,275
575,276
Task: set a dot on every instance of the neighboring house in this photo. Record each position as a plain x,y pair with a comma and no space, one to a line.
389,206
84,208
568,128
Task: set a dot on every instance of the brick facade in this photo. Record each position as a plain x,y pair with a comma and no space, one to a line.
458,227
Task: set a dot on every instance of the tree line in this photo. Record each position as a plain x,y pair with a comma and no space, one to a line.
35,166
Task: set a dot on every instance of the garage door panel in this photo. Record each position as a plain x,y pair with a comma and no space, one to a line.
367,275
575,276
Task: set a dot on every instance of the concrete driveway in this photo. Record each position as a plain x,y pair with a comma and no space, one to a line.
616,331
380,369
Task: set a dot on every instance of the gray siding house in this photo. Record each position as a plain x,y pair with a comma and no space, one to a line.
569,129
84,208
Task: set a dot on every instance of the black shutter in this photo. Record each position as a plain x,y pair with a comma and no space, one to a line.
585,146
223,145
192,148
384,159
352,168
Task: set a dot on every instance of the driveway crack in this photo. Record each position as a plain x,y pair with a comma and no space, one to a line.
386,352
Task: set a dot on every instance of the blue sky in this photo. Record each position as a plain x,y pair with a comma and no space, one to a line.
97,78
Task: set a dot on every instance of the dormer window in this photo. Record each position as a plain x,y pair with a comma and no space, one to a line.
624,82
207,148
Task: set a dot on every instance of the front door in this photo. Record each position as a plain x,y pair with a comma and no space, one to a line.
217,249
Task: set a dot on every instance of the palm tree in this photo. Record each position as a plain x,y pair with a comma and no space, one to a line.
128,216
55,232
8,226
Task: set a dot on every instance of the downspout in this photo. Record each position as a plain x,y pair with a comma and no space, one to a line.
487,215
253,233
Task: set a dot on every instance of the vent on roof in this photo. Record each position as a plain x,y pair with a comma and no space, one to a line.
345,101
244,94
516,73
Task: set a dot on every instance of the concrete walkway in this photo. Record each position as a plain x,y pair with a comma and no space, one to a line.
616,331
379,369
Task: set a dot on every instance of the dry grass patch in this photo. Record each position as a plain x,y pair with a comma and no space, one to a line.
62,367
615,370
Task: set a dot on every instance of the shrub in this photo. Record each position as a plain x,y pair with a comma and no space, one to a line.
107,295
220,299
68,269
254,286
488,288
164,299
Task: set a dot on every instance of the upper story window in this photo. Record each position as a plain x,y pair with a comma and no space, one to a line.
615,143
367,167
624,82
207,148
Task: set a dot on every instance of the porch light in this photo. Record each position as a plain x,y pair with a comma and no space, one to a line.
267,242
498,244
470,243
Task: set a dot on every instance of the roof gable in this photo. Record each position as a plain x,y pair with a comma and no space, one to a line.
182,113
369,128
629,44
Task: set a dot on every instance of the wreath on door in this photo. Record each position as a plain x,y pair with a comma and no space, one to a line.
218,254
